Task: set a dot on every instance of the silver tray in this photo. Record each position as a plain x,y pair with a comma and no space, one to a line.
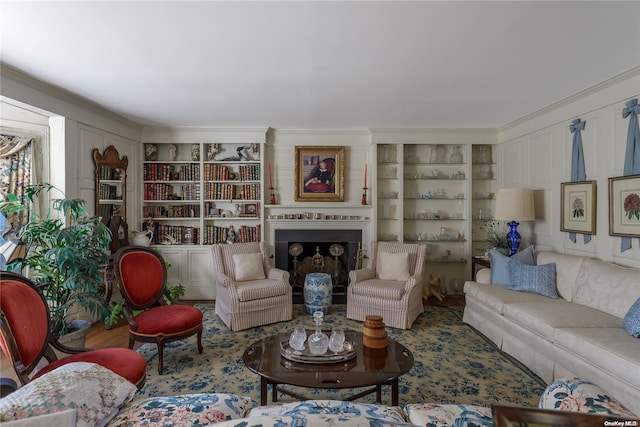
304,356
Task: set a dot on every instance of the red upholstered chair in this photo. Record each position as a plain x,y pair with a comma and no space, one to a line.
25,336
141,275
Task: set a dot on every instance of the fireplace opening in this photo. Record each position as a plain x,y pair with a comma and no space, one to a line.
301,252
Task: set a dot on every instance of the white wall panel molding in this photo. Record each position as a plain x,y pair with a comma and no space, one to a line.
435,135
542,155
513,157
607,93
53,101
193,134
548,141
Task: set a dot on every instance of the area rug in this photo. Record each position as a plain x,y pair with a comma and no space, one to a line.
453,362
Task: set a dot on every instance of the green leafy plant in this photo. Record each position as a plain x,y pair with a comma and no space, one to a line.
117,308
67,254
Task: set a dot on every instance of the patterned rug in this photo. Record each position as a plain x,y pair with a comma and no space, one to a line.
453,362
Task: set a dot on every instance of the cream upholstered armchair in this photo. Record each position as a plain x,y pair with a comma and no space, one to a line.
249,292
391,287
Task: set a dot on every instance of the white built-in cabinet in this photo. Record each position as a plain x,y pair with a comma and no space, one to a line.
436,190
195,185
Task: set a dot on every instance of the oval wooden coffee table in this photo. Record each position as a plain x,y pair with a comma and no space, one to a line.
370,367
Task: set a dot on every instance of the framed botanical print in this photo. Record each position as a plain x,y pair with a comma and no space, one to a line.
319,173
624,206
578,207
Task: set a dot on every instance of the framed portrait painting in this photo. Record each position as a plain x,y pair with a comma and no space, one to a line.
319,174
624,206
578,207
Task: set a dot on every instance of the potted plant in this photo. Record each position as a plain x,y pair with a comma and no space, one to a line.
496,236
67,254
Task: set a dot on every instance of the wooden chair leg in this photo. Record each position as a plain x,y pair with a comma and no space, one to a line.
132,341
160,356
200,348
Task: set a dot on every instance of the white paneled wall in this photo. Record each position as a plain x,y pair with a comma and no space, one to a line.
357,154
536,152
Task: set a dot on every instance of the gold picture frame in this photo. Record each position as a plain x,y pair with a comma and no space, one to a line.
250,210
624,206
578,207
319,173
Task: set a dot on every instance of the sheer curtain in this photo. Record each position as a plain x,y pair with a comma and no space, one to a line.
16,158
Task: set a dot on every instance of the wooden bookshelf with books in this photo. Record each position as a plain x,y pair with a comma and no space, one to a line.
198,193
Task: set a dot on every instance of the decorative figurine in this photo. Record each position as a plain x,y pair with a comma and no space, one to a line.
239,155
433,288
150,152
173,149
212,150
231,235
195,152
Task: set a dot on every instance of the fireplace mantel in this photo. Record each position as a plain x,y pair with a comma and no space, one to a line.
315,238
364,225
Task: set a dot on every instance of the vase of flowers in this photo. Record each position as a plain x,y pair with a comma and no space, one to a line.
496,236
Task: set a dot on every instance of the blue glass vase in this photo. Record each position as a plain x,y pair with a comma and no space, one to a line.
513,238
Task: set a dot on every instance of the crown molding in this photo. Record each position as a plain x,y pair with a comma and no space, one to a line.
6,71
592,90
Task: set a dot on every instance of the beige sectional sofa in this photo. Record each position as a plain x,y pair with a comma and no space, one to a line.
578,334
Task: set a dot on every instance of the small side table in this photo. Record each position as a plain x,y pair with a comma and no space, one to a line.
318,292
478,261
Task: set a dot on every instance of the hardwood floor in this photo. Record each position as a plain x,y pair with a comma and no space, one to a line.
118,336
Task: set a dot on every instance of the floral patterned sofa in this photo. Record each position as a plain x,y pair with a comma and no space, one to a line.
85,394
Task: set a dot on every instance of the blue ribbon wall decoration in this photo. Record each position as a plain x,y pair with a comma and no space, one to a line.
578,172
632,153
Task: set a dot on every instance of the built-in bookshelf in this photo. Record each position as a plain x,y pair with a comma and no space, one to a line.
202,193
433,189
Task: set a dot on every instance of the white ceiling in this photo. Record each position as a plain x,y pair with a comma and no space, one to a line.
322,64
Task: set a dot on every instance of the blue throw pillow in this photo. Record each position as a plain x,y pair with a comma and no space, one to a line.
631,320
500,274
535,279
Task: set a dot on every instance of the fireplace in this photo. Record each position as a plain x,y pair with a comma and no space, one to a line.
304,251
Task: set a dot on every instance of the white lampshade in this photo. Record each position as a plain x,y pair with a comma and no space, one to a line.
515,204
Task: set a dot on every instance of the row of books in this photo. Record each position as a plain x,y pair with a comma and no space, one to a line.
165,192
249,172
217,172
214,234
190,191
178,232
107,173
221,191
167,172
108,210
106,191
171,211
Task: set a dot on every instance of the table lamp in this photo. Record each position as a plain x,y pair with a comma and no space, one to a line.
514,204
